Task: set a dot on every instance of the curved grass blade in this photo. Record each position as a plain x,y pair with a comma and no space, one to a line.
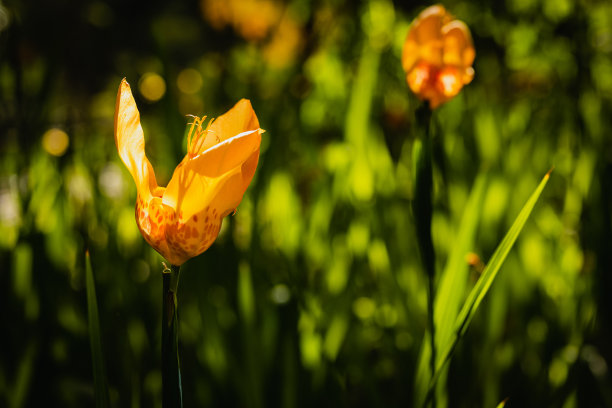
484,283
99,372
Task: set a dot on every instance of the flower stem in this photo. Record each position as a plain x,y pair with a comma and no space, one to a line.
432,331
172,392
422,208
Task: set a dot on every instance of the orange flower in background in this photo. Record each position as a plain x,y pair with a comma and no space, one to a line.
268,23
252,19
183,219
438,56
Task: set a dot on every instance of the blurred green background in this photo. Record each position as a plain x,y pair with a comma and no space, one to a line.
313,294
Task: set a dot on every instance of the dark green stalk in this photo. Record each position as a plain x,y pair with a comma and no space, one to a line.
432,327
422,207
172,392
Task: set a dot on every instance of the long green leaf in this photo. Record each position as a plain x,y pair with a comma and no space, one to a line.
99,372
455,276
21,389
452,285
486,280
502,404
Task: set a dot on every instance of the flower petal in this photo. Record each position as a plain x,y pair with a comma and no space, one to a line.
428,23
130,143
419,78
410,52
449,82
205,189
424,40
240,118
197,181
152,218
458,46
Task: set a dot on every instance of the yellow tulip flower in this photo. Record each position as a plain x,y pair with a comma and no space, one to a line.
438,55
183,219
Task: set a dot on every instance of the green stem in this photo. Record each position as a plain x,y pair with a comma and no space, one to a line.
172,393
422,207
432,330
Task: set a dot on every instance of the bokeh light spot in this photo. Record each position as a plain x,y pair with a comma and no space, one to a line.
280,294
4,18
152,87
55,142
190,105
557,372
403,340
364,308
9,208
111,181
189,81
100,14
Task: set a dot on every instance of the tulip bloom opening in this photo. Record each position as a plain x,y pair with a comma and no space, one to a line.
182,220
438,55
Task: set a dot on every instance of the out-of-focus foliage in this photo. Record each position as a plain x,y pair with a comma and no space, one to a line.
313,293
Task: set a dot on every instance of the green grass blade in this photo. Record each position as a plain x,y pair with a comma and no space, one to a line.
502,404
21,389
454,278
252,360
452,284
499,256
486,280
99,372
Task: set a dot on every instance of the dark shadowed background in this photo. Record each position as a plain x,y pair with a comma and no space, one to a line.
313,294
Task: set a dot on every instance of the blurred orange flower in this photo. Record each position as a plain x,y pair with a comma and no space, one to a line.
438,56
252,19
268,23
183,219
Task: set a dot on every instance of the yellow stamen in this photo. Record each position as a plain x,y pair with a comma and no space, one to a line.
192,138
197,136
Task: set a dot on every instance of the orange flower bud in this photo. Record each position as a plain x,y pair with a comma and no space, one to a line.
438,56
183,219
